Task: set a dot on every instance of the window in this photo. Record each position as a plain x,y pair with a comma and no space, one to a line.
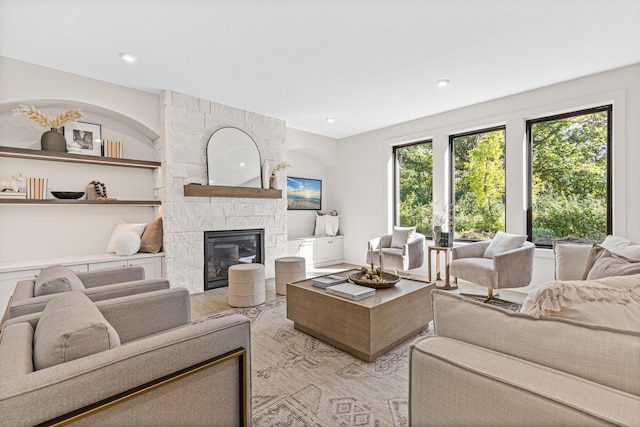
414,185
570,177
478,183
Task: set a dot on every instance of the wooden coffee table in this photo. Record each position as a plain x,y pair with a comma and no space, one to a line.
367,328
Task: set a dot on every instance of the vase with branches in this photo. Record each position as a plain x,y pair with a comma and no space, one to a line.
51,140
273,180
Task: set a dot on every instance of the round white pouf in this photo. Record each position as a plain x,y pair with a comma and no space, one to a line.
246,285
289,269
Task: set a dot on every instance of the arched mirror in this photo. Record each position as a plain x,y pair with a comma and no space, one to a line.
233,159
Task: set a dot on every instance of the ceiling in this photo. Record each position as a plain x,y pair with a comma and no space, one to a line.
365,63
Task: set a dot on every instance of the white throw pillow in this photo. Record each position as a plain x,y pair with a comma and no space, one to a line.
623,247
503,242
401,236
121,227
126,243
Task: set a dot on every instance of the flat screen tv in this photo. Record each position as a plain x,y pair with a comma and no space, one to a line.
304,194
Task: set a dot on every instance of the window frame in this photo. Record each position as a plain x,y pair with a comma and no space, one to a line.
529,149
452,193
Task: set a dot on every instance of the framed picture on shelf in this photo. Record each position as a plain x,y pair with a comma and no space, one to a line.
83,138
304,194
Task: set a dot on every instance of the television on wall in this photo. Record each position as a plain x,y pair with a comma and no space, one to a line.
304,194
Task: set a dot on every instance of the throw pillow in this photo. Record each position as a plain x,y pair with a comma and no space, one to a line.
503,242
570,259
609,265
151,240
588,302
401,236
56,278
126,243
121,227
70,327
623,247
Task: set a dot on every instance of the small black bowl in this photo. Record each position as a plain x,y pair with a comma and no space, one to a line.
67,194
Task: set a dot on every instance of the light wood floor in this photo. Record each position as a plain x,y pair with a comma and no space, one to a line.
215,300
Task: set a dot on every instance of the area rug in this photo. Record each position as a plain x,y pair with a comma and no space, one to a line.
298,380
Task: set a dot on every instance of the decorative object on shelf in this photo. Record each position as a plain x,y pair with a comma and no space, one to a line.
87,135
15,184
51,140
327,225
97,190
68,195
304,194
273,180
437,230
372,278
113,149
266,174
446,240
37,188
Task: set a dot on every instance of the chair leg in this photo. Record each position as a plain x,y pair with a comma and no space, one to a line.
490,296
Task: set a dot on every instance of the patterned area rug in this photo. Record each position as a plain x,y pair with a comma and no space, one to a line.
299,380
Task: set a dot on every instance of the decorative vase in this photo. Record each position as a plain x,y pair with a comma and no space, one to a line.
437,230
266,174
273,181
52,140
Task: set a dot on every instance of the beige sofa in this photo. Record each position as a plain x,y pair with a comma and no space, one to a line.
98,285
129,361
487,366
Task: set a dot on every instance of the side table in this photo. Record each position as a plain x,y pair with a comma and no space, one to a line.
447,259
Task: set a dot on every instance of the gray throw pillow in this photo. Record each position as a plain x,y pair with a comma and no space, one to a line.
71,327
610,264
56,278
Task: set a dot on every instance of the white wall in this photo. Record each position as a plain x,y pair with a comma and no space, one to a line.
364,161
311,156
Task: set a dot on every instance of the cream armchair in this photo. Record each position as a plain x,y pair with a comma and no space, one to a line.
402,257
504,262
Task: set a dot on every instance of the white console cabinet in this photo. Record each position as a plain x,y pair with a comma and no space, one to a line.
12,272
317,251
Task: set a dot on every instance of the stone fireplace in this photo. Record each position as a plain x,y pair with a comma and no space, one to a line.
223,249
187,125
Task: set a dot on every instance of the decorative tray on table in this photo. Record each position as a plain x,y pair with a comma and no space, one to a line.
373,279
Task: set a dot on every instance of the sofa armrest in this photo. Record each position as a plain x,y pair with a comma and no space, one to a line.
100,293
149,313
470,250
515,267
446,374
415,249
24,289
549,341
108,276
49,393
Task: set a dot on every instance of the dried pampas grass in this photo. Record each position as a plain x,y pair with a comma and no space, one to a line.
37,116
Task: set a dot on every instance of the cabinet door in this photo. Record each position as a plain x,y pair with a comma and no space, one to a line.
336,249
152,266
107,264
322,251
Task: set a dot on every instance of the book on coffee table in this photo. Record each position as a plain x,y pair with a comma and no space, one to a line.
351,291
325,281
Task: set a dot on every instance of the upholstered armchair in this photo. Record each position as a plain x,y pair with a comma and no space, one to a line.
31,296
402,250
504,262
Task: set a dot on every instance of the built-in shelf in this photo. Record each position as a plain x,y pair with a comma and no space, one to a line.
57,202
195,190
26,153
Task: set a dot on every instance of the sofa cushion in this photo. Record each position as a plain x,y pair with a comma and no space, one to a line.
622,246
70,327
56,278
570,259
121,227
603,263
401,236
503,242
594,302
151,240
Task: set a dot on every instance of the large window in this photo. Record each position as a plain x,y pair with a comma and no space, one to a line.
414,186
478,183
570,177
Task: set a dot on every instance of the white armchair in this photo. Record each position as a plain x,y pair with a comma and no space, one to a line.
400,253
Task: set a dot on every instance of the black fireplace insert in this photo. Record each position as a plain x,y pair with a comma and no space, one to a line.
225,248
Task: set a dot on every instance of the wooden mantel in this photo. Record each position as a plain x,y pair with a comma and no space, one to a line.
195,190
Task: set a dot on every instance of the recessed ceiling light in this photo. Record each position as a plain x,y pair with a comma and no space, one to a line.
442,83
127,57
329,120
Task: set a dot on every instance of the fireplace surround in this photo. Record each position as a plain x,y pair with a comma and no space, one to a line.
224,248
